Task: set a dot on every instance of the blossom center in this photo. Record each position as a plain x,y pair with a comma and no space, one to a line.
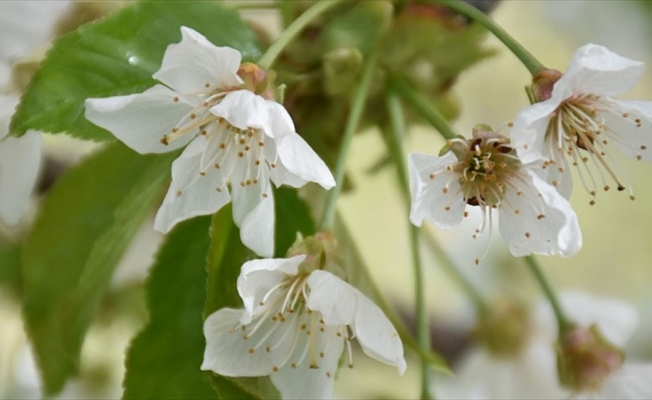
488,165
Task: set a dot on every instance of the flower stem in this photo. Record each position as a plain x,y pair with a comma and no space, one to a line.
422,105
527,59
562,321
293,30
251,5
397,150
357,106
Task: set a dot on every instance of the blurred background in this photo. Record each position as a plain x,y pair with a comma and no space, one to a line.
615,260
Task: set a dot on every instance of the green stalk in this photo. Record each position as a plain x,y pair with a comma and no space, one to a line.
422,105
527,59
293,30
357,107
562,320
251,5
397,152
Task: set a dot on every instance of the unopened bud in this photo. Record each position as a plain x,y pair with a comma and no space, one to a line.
585,359
504,330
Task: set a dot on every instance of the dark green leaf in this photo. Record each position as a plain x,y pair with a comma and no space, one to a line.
117,56
163,361
83,228
10,267
292,217
226,256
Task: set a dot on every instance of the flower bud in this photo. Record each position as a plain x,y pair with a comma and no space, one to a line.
504,330
585,359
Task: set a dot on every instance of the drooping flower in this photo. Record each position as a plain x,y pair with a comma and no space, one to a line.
532,371
295,324
236,136
20,161
575,120
485,172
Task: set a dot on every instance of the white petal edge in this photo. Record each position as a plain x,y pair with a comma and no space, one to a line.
632,381
444,210
141,120
342,304
192,63
595,69
20,163
301,160
257,227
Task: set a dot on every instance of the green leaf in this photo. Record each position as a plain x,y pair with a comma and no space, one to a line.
117,56
292,217
10,268
163,361
83,228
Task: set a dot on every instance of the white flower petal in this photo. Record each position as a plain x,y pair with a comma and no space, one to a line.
227,352
595,69
304,382
257,227
634,139
529,131
335,299
192,63
301,160
377,335
438,199
244,109
257,277
141,120
544,224
532,375
632,381
280,121
20,161
191,194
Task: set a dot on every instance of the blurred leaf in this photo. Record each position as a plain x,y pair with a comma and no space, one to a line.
115,56
292,217
163,361
83,228
359,28
10,267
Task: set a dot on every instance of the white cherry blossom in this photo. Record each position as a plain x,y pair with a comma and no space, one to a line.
235,136
294,327
485,172
578,122
532,373
20,161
